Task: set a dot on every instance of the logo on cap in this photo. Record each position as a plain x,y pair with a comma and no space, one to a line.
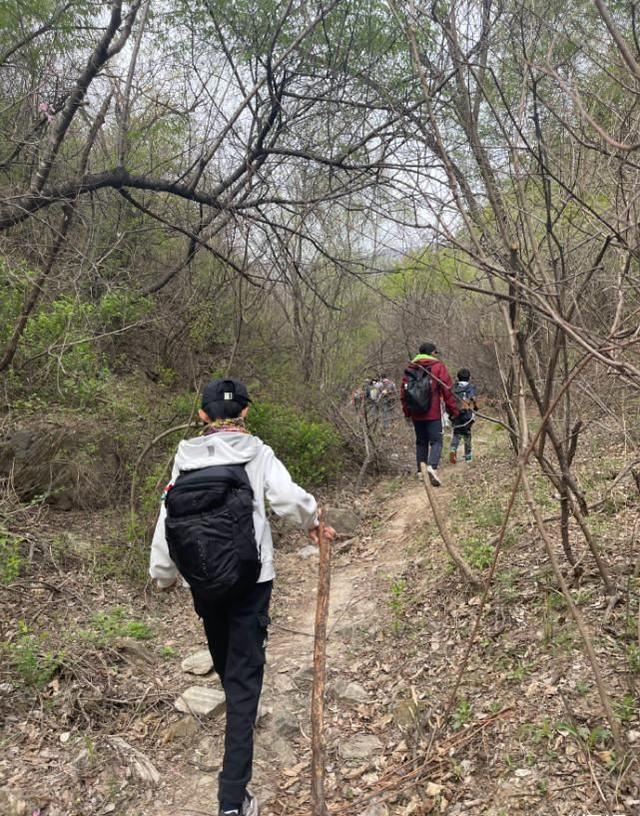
228,395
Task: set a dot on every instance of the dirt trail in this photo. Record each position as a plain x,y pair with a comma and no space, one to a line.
359,592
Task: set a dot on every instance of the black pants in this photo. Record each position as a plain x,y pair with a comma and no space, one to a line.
237,636
428,441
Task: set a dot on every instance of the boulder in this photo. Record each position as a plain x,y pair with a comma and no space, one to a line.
406,714
277,751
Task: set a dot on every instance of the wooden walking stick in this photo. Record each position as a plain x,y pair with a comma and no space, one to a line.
319,676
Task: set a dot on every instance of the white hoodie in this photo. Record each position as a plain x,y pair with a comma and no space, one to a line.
268,477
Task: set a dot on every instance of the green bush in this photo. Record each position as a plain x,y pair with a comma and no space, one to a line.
64,362
309,448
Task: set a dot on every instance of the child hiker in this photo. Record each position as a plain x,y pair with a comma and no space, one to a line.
213,531
465,394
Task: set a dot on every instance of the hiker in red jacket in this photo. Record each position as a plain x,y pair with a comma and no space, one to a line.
426,381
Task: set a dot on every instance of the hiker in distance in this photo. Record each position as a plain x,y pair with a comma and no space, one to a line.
213,531
426,381
465,393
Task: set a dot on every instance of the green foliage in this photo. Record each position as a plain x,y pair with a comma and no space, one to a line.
309,448
126,562
27,657
538,731
591,737
151,489
398,602
478,552
358,38
626,708
633,658
64,362
10,557
461,715
106,626
518,669
428,271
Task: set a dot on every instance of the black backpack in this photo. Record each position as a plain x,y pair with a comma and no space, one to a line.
209,530
418,389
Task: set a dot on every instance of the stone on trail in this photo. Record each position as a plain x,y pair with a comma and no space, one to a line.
308,551
206,702
282,683
286,723
303,678
208,755
376,810
141,766
350,692
186,726
277,749
198,663
362,746
132,650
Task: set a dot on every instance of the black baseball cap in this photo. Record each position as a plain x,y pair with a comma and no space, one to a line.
221,391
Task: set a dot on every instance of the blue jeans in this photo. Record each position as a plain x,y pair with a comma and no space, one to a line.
428,441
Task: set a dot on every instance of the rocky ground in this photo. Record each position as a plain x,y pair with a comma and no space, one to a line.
98,731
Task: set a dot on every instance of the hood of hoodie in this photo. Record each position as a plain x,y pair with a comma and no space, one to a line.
222,448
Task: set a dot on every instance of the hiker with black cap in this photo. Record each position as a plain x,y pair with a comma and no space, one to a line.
426,381
213,531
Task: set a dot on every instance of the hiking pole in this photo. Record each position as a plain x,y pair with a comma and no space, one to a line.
319,675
